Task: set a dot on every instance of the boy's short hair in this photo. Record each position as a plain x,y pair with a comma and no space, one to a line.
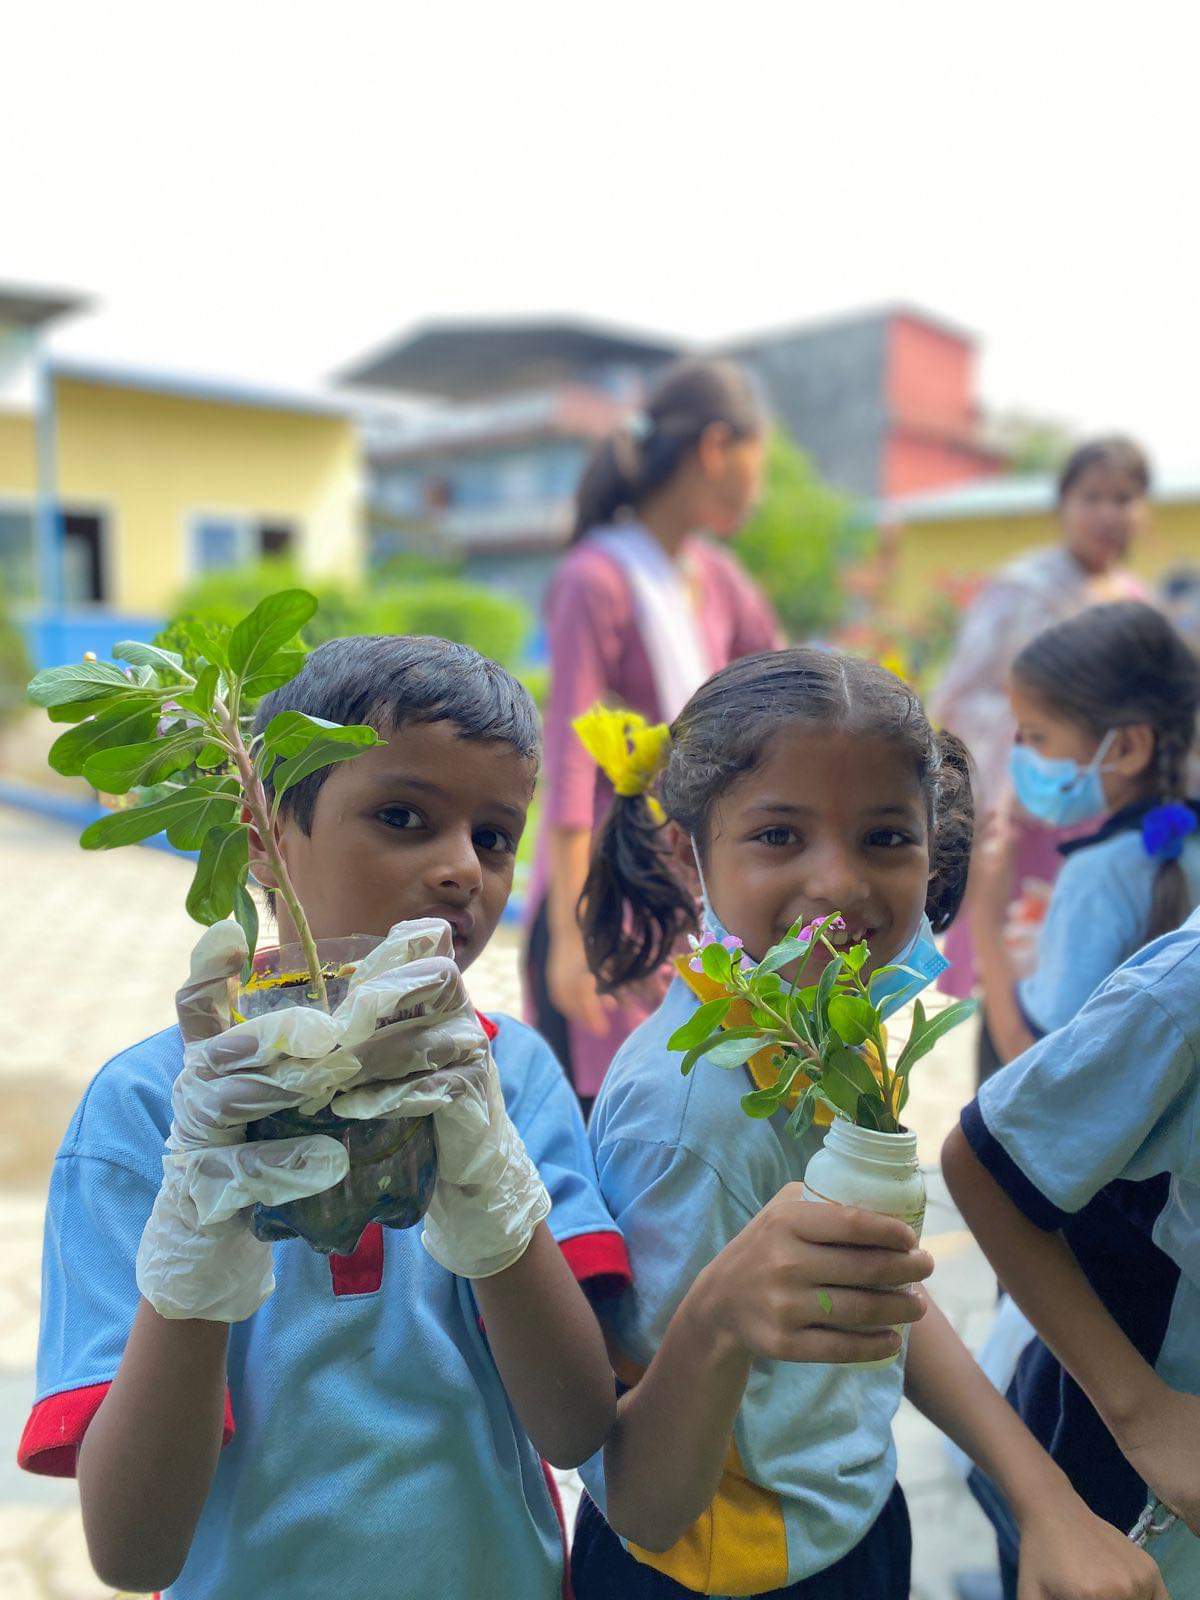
387,681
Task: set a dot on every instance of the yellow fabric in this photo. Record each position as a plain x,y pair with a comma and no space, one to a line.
738,1546
627,749
764,1067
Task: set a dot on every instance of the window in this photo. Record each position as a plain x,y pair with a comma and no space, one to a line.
83,559
220,541
18,554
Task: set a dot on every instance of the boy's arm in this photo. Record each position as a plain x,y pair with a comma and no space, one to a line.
1156,1427
1066,1551
549,1351
148,1458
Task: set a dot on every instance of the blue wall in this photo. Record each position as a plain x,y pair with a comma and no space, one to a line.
55,637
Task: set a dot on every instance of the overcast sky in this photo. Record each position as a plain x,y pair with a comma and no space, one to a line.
270,189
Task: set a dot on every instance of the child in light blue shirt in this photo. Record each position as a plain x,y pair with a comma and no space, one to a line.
1105,706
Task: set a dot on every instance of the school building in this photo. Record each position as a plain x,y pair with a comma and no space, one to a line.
119,486
973,529
883,401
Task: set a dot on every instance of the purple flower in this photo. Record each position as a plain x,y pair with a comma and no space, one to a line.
809,931
1165,828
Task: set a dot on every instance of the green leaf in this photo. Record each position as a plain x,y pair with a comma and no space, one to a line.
766,1102
839,1090
883,972
133,766
245,912
871,1112
280,669
852,1018
736,1052
723,1036
699,1025
79,680
717,962
783,954
291,732
213,800
853,1068
323,752
181,812
212,756
219,872
273,623
128,722
825,986
201,698
856,956
147,655
926,1032
801,1118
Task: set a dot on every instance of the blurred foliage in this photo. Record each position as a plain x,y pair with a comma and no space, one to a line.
800,540
409,595
1032,444
16,669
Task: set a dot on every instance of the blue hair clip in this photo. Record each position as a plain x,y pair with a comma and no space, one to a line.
1165,828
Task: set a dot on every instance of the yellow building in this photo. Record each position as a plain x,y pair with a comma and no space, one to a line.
976,528
160,478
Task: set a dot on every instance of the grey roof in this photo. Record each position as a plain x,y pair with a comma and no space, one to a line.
32,308
1013,497
475,360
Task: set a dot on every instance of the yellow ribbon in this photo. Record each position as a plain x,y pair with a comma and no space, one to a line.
628,750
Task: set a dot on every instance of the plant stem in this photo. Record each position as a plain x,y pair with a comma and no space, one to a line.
256,801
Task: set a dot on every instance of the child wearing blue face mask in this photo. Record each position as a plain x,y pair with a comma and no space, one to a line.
1105,706
748,1458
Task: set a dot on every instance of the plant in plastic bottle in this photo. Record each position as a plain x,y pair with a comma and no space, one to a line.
171,732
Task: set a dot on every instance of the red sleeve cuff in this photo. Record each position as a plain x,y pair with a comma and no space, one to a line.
599,1260
56,1426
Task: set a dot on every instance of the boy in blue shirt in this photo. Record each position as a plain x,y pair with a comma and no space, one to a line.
265,1420
1078,1170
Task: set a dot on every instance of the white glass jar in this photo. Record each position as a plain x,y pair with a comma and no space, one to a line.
875,1171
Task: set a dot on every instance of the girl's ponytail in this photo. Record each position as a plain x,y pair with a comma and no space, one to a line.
1171,899
632,909
644,454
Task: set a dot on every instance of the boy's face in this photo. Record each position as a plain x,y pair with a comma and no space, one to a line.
424,826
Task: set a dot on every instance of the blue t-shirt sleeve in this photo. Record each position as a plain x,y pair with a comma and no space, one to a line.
1092,924
547,1116
1113,1094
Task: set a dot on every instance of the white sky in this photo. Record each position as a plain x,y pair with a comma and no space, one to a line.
269,189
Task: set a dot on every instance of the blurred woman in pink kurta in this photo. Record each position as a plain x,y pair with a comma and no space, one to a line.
642,610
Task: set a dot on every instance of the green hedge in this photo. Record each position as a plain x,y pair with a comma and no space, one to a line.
427,601
15,668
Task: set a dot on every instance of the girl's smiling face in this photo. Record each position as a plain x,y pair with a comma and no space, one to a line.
828,821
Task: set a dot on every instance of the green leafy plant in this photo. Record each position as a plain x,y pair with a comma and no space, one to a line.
172,730
829,1033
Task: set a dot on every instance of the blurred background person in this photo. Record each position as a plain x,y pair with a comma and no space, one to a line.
644,606
1103,507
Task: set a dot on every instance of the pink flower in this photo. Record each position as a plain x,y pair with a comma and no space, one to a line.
730,942
809,932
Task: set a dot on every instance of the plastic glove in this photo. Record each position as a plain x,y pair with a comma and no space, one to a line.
197,1256
489,1198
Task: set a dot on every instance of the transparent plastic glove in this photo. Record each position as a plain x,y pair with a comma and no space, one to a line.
197,1256
488,1198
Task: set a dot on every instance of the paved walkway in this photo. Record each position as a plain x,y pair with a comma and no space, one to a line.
92,947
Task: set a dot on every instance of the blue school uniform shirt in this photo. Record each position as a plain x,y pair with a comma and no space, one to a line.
682,1170
371,1449
1095,1131
1097,917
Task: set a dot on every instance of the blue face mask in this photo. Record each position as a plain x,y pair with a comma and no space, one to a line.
1059,792
920,955
925,963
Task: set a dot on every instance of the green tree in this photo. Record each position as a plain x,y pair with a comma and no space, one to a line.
802,536
15,668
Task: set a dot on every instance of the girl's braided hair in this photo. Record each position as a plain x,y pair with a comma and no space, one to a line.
1114,666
